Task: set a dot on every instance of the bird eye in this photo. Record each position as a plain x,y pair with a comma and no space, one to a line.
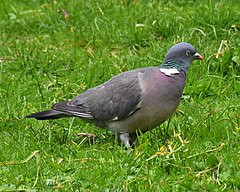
188,53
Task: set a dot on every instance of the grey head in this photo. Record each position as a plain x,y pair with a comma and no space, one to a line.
180,56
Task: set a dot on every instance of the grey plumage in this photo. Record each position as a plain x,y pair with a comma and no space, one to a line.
139,99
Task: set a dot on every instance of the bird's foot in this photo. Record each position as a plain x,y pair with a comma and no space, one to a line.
88,135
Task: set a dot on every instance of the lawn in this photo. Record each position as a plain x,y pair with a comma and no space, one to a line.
51,51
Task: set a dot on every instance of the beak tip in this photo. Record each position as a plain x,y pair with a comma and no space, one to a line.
198,56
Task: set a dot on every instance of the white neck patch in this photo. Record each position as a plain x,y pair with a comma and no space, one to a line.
169,72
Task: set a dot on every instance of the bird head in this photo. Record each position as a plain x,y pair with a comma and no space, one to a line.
180,56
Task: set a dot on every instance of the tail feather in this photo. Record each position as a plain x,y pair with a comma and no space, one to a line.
48,114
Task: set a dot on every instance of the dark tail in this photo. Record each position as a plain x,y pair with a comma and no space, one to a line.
45,115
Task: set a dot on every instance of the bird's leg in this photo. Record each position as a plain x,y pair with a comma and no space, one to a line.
128,139
133,139
125,138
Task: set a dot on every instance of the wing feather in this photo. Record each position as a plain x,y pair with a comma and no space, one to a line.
113,100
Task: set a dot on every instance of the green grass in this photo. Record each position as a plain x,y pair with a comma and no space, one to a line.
46,57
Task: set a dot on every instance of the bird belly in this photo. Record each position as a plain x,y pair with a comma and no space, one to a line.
144,119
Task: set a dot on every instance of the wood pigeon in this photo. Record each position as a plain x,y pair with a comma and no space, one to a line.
139,99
